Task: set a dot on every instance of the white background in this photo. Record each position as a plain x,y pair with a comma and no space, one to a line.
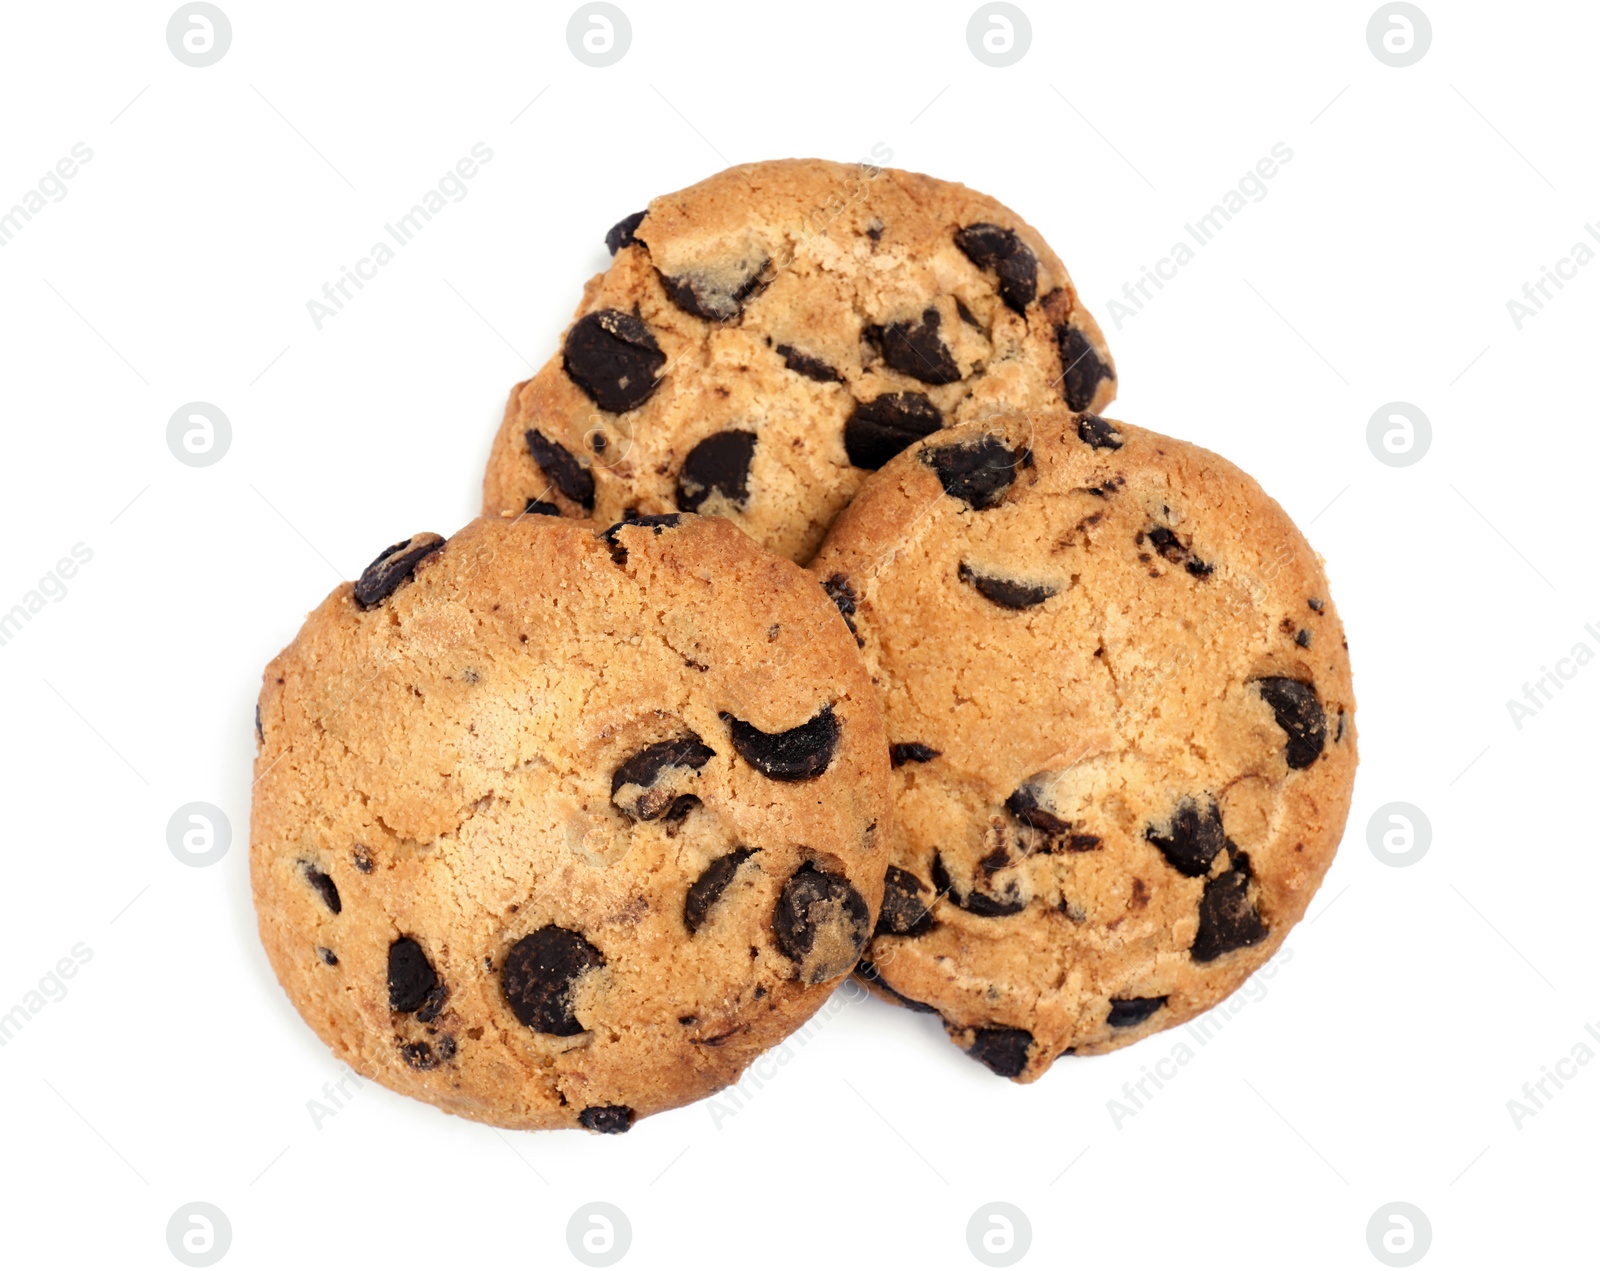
1416,1003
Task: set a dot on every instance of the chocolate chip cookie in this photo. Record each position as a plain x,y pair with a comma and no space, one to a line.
1120,721
560,825
766,338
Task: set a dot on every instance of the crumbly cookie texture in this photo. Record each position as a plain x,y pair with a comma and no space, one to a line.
1121,723
560,825
764,339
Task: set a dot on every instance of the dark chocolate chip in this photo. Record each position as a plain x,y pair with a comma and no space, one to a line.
393,566
1003,1051
906,905
1295,707
1167,543
1303,639
844,596
1193,838
562,468
1228,917
613,358
974,902
706,890
433,1003
993,247
869,972
260,736
797,754
620,235
324,885
966,315
710,296
538,507
419,1055
539,974
1198,567
643,770
719,463
328,956
1099,433
977,472
1024,805
619,553
1128,1011
614,1118
411,975
915,349
812,368
1004,592
820,923
1081,367
1315,604
362,857
904,752
880,429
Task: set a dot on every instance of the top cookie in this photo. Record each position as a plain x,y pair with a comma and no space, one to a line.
556,825
1119,707
765,338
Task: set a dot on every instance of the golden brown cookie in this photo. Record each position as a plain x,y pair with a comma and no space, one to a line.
1121,721
765,338
560,825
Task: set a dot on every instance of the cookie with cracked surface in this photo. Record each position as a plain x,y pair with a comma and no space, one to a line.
1120,713
561,825
764,339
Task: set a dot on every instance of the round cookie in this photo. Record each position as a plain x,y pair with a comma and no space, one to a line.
1121,721
765,338
559,825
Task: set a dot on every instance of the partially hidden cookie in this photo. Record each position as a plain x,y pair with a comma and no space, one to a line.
560,825
1121,722
764,339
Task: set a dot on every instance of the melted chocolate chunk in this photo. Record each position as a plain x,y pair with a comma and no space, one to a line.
643,770
613,1118
433,1003
1099,433
1081,367
1167,543
619,553
915,349
706,890
976,472
719,463
907,902
880,429
1024,805
613,358
904,752
1003,1051
974,902
328,956
324,885
419,1055
869,972
812,368
411,975
620,235
844,596
393,566
538,507
562,469
1128,1011
798,754
1295,707
539,974
711,296
1004,592
994,248
820,923
1229,919
1193,839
